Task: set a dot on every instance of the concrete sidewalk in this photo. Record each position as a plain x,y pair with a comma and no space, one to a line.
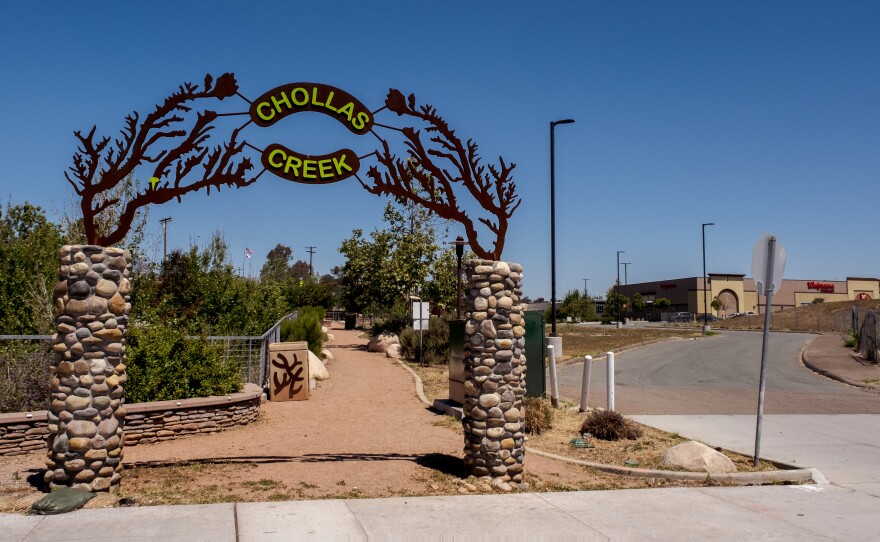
737,513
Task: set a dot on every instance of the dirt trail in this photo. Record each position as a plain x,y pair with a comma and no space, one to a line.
362,433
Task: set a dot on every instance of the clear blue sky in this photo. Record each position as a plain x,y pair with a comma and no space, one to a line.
758,116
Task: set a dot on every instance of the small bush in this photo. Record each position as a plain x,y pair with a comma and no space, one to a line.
24,376
163,364
306,327
539,415
610,425
851,341
434,345
391,323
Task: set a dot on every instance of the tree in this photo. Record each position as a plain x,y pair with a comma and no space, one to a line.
277,266
638,303
576,306
717,304
395,262
614,303
662,302
299,270
29,246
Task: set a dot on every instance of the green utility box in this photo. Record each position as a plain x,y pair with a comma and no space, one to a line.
536,345
456,361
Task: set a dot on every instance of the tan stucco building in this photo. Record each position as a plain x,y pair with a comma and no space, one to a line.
739,294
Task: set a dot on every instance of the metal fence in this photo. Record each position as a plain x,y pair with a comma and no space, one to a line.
250,352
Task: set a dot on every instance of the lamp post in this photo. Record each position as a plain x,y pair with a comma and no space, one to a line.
459,252
619,252
626,284
705,312
553,221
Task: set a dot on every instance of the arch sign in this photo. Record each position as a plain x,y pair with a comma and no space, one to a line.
442,173
286,100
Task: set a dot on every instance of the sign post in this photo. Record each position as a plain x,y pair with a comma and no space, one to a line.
768,263
421,317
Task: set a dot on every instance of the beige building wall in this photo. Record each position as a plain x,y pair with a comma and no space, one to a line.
856,286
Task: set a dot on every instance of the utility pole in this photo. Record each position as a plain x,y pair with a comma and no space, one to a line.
585,286
165,222
626,285
310,250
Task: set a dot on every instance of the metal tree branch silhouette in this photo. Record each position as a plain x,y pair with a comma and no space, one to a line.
160,139
419,179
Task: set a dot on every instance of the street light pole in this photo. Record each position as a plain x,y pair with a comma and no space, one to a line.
705,312
619,252
626,284
585,286
553,221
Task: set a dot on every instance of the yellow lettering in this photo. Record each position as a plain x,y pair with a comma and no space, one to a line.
263,115
272,154
283,100
360,121
330,99
293,163
309,169
305,96
340,163
315,101
346,110
324,169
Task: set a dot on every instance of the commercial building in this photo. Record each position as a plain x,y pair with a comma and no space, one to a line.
738,293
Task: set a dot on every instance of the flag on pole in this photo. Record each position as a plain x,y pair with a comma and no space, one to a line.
248,253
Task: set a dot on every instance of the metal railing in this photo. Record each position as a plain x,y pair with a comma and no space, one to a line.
250,352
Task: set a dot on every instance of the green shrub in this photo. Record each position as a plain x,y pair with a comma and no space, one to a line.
610,425
539,415
391,323
163,364
306,327
434,343
852,340
24,376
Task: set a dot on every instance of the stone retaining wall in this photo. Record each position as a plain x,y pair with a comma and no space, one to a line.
21,432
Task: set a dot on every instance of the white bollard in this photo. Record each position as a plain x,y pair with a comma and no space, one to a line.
585,383
554,391
610,380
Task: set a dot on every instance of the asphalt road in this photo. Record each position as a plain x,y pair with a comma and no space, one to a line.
718,375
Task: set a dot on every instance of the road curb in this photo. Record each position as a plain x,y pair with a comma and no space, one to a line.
805,361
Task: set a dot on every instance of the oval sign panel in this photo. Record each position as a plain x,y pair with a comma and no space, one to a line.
301,168
292,98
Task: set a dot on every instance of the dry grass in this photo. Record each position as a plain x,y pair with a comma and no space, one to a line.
647,451
817,317
591,340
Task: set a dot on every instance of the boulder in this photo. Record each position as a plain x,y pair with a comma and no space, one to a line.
324,329
381,342
697,457
393,351
316,368
326,355
330,337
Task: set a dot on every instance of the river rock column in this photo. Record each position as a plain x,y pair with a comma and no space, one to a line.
86,415
495,366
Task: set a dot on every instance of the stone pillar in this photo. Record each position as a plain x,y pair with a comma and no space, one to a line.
495,366
86,415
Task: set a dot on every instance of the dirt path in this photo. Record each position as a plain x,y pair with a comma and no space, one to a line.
363,433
